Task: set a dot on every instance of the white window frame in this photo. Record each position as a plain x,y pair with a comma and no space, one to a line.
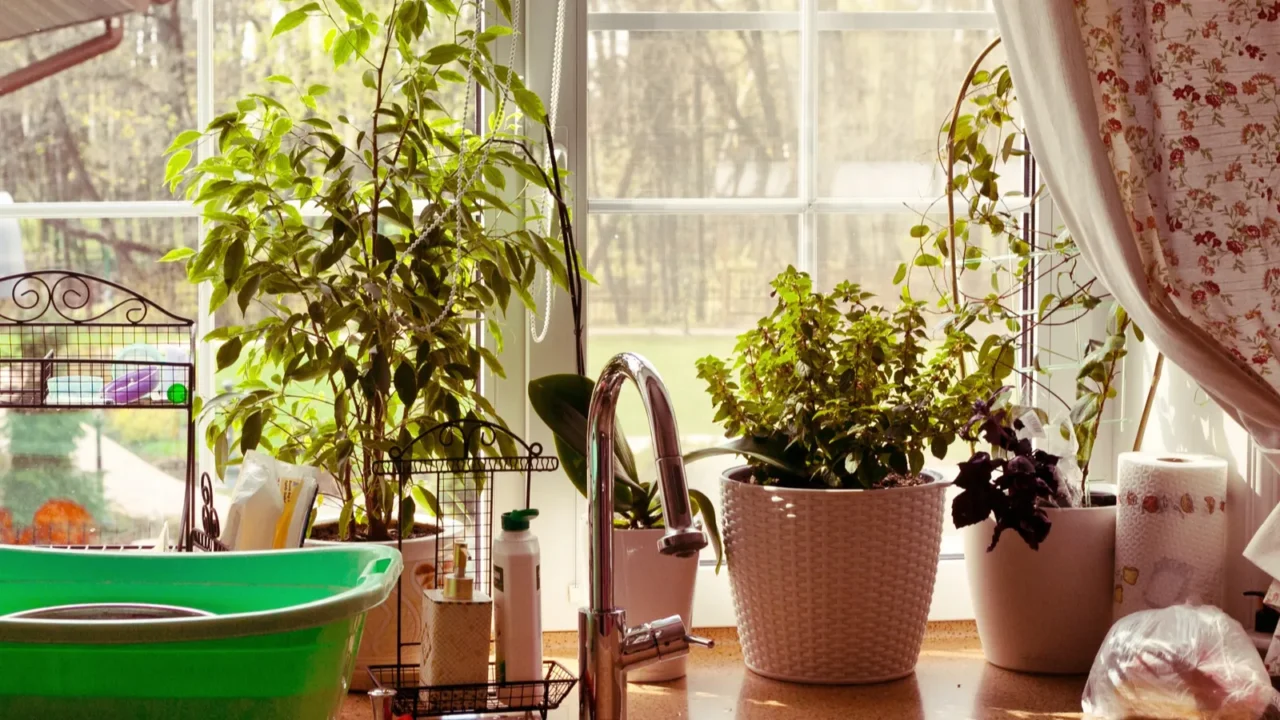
713,606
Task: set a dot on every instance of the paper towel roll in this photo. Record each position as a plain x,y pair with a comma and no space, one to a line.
1171,530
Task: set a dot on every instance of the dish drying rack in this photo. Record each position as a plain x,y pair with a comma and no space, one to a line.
70,341
474,453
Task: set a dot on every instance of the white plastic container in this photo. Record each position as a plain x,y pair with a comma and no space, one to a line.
517,606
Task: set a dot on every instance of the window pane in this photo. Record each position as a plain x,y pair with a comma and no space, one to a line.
99,130
901,5
675,289
122,470
888,148
245,55
122,251
693,5
723,124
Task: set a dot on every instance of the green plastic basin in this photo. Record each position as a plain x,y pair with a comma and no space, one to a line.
280,643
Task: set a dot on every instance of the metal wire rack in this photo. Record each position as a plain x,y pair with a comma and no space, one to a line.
70,341
462,460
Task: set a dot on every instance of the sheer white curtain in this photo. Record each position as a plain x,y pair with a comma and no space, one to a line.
1156,126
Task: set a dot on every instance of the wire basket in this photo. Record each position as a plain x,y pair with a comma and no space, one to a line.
462,460
538,696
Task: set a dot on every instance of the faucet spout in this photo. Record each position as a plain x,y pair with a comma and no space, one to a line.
683,537
606,648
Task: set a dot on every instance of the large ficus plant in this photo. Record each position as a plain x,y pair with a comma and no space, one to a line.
370,305
831,390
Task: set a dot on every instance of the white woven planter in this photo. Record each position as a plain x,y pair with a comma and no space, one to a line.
831,586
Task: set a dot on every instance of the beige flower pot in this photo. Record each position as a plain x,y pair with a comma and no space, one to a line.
1044,611
831,586
651,586
378,641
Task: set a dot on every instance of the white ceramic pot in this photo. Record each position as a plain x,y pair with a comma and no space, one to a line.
651,586
378,641
831,586
1046,610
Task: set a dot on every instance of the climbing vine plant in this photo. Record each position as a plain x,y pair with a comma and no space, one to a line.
980,140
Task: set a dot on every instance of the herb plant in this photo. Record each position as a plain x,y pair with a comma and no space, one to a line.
1016,486
563,401
832,391
368,313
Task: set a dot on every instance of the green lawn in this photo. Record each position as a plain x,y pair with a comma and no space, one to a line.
673,355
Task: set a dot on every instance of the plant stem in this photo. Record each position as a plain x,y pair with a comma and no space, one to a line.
951,172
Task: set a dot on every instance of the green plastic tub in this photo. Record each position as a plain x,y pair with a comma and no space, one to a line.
280,642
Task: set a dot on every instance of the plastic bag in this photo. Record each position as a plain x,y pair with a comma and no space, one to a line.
1178,662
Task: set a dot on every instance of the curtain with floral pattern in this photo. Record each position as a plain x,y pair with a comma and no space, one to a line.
1157,125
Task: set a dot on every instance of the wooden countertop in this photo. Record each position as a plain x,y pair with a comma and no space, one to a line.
952,682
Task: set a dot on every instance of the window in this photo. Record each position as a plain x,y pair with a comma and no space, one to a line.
726,141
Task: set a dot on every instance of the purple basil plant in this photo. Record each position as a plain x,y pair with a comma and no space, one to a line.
1015,486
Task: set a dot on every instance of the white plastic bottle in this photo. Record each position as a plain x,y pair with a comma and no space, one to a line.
517,607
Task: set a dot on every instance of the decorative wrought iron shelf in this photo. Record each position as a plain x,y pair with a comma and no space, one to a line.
70,341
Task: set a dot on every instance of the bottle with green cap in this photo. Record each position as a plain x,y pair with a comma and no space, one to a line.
517,605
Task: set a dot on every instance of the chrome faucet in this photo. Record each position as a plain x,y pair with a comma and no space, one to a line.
607,648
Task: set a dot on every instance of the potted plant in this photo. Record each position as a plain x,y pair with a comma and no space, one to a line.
832,530
562,401
358,328
1043,605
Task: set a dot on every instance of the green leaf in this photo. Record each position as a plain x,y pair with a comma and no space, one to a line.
406,382
383,249
380,370
901,274
344,47
251,433
425,499
772,452
280,79
248,291
505,7
702,504
561,401
233,262
928,260
344,519
294,18
407,509
919,231
176,254
184,139
352,8
443,54
177,163
221,452
229,353
317,90
444,6
529,103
